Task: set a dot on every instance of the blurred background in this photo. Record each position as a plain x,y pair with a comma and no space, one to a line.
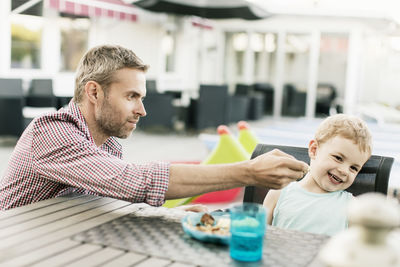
282,65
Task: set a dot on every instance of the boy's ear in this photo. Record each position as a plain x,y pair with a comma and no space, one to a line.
312,148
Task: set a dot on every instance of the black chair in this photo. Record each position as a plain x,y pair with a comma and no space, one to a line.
12,121
293,101
211,108
326,95
160,111
243,89
373,177
256,106
267,90
40,94
238,108
63,101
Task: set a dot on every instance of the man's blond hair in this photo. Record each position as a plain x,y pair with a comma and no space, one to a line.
346,126
100,63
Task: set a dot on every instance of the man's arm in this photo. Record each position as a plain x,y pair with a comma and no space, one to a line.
270,201
62,154
273,170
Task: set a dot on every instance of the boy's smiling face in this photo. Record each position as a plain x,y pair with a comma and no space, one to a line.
334,164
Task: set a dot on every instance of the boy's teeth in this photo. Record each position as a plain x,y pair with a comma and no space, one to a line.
336,178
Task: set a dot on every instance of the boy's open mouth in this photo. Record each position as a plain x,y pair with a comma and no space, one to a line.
334,178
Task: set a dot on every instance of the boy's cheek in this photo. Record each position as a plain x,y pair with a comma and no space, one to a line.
314,165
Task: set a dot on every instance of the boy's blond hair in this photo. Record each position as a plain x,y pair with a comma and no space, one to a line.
100,63
346,126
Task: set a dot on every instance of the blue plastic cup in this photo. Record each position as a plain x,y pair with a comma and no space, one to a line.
248,225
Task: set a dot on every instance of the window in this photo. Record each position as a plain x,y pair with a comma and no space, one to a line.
257,45
264,47
74,41
240,43
168,48
26,35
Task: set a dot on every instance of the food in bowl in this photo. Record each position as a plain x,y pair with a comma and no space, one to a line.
208,224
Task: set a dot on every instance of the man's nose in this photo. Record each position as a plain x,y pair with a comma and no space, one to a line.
141,110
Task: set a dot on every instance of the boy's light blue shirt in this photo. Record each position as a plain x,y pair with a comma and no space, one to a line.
299,209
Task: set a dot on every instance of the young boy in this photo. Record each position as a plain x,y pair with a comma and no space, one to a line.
318,202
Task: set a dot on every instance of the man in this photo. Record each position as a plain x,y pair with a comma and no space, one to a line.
74,149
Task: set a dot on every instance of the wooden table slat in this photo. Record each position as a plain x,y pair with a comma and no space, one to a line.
127,259
18,219
98,258
69,256
42,253
20,244
151,262
42,221
41,231
35,206
177,264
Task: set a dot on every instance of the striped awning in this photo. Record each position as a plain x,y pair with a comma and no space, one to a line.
95,8
202,23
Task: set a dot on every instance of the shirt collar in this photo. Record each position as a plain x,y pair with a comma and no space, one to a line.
111,145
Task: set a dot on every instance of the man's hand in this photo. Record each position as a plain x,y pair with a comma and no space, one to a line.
193,208
276,169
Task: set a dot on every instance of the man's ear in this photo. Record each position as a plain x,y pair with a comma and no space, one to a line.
93,91
312,148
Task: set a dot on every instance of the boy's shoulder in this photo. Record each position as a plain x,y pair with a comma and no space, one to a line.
341,195
272,196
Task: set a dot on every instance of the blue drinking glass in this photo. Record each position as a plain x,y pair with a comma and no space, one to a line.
248,225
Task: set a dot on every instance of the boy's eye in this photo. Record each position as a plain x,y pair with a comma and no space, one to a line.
337,157
354,168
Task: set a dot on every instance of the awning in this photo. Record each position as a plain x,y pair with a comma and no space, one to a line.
202,23
211,9
95,8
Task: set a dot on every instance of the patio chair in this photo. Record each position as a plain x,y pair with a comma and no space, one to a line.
294,101
267,90
373,177
211,108
41,94
160,111
12,121
256,99
326,95
63,101
238,108
243,89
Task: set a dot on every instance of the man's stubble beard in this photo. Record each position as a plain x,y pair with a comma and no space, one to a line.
108,122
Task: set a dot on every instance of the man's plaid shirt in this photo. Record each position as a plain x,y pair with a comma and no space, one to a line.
56,155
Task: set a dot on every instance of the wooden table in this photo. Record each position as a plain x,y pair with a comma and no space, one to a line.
79,230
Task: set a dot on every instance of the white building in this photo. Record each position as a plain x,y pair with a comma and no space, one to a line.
358,55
